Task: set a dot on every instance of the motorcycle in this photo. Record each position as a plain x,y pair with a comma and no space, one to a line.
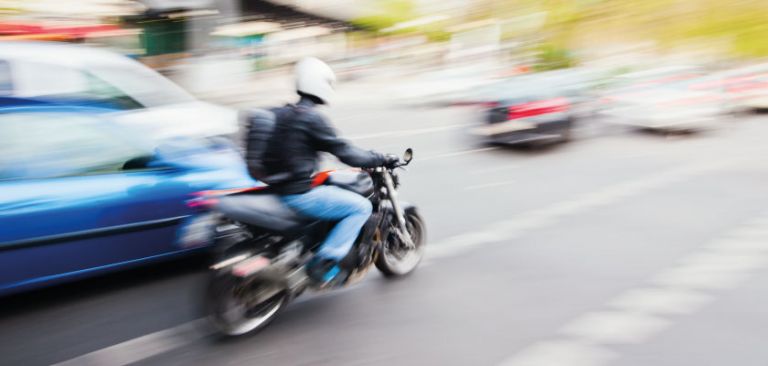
262,246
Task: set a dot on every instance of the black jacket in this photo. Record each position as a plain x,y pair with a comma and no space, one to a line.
291,155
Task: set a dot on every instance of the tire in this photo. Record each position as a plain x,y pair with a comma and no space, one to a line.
229,316
567,134
397,262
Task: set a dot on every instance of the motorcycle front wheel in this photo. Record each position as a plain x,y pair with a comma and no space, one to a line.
395,259
236,307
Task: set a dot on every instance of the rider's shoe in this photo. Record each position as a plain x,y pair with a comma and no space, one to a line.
325,272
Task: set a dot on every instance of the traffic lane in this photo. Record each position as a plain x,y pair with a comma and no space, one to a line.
648,320
481,305
731,328
58,323
89,317
729,331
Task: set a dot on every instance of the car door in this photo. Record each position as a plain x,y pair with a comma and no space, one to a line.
74,198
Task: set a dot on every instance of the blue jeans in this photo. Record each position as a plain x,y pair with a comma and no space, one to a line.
333,204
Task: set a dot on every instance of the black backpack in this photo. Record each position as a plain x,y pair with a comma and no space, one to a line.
259,125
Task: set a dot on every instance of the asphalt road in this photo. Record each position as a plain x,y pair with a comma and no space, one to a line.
619,248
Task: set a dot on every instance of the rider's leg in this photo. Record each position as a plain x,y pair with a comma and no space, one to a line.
334,204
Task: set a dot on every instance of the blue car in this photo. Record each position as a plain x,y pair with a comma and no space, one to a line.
80,195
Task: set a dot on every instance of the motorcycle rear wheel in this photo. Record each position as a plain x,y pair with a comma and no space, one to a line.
229,311
395,260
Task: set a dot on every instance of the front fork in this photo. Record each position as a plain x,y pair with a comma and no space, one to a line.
402,231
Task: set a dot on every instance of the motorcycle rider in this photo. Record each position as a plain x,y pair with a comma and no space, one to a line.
291,157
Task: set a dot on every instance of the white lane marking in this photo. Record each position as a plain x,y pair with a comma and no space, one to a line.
458,153
740,246
723,261
751,231
461,242
615,327
404,133
153,344
561,353
143,347
489,185
661,301
496,169
699,279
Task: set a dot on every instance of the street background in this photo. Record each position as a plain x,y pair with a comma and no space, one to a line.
529,252
625,246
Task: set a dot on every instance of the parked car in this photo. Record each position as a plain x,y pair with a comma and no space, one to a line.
143,98
669,106
81,195
746,87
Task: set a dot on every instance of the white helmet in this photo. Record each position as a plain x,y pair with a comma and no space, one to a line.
315,77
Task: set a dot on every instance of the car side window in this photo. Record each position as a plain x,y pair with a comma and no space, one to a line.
57,82
48,145
100,89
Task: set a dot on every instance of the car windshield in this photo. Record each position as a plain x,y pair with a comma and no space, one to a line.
519,89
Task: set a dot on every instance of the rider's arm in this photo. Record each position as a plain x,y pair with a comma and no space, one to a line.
325,139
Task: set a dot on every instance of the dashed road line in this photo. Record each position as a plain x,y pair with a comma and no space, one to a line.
458,153
143,347
655,300
562,353
490,185
615,327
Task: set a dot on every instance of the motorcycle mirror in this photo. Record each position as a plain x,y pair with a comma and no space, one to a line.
408,155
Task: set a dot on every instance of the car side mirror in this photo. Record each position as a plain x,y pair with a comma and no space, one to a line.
408,155
140,162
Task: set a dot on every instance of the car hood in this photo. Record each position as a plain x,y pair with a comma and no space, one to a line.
192,119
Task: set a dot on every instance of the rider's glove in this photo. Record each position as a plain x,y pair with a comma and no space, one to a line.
390,160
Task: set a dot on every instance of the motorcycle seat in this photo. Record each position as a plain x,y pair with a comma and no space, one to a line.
266,211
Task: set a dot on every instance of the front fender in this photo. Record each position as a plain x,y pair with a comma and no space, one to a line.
408,208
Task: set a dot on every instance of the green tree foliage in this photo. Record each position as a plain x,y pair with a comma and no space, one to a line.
742,24
552,57
389,13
